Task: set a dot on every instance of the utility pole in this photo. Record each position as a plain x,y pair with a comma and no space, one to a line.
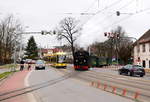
98,4
20,52
137,4
13,68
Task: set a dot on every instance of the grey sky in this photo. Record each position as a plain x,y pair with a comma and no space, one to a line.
46,14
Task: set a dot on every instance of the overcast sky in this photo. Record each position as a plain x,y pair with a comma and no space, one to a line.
45,15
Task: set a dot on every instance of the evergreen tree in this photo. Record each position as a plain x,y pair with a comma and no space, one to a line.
31,49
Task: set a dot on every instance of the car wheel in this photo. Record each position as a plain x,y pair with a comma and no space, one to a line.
131,73
141,75
120,73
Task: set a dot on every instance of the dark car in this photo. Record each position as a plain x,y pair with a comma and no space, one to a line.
39,64
132,70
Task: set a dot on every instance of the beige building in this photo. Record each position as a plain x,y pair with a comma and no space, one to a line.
142,50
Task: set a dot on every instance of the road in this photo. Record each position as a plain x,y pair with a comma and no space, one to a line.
110,78
68,90
115,72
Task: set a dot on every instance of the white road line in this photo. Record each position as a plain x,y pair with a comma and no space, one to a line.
121,78
26,83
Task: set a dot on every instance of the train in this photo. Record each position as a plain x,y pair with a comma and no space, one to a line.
81,60
84,61
57,60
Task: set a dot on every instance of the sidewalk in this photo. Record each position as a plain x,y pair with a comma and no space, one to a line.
14,82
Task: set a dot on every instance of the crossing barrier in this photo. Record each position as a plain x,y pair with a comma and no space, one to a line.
115,90
124,91
136,95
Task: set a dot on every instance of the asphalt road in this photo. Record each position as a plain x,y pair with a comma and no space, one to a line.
68,90
115,72
111,78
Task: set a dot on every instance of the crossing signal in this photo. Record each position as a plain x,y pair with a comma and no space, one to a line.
117,13
105,34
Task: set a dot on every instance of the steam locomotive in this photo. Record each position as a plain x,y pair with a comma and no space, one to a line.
81,60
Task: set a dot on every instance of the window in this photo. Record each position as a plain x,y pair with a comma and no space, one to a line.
138,48
143,46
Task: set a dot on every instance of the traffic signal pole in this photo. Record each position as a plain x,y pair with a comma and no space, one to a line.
15,46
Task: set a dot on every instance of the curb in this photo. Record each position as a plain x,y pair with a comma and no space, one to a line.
2,80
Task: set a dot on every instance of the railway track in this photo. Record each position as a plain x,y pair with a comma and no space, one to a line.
132,84
25,90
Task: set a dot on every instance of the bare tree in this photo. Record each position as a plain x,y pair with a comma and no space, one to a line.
118,46
121,44
99,49
9,27
68,29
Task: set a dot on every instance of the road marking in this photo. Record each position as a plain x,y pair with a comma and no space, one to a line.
26,83
121,78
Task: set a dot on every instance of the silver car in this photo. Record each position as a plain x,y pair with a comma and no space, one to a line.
40,64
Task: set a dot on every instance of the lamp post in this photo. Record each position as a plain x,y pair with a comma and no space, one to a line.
13,68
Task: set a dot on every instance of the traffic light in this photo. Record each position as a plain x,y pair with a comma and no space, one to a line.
54,32
43,32
105,34
118,13
118,35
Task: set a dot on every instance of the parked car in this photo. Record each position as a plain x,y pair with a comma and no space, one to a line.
132,70
40,64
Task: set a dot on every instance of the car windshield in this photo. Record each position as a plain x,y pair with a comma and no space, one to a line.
39,62
137,66
61,58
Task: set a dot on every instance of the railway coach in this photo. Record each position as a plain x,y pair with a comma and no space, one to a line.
81,60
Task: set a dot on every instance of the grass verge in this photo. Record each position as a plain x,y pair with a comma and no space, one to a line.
8,66
5,74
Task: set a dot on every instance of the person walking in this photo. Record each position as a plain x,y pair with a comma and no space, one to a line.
29,66
21,65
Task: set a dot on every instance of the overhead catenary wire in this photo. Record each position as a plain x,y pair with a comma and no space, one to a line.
103,20
125,18
109,6
90,6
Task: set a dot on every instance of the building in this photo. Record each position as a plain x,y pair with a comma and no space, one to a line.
43,52
142,50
